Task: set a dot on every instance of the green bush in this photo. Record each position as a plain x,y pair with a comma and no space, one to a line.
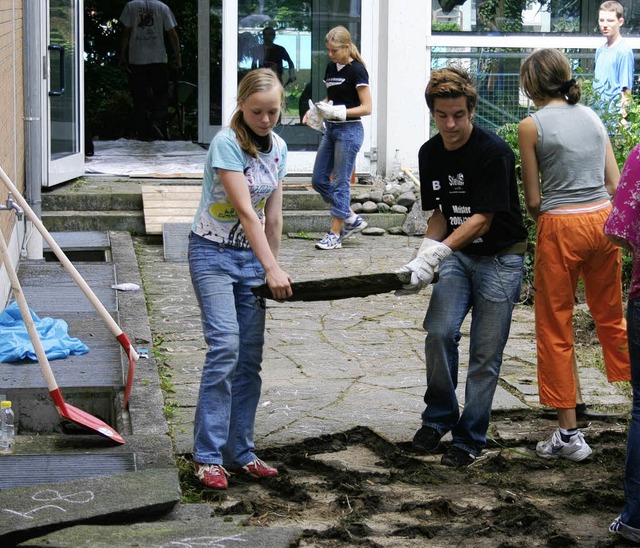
445,27
624,131
509,132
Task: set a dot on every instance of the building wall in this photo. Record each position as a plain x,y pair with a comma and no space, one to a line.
11,120
400,117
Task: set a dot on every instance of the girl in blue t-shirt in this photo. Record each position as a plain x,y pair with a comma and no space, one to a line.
348,98
233,246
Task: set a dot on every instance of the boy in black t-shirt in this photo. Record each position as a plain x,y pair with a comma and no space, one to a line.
476,238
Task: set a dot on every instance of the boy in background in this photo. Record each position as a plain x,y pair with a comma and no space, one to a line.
613,78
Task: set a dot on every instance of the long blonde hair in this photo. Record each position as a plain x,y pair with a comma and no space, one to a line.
255,81
340,36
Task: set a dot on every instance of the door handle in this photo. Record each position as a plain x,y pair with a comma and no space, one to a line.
58,92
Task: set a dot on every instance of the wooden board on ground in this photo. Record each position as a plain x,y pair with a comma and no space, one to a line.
169,204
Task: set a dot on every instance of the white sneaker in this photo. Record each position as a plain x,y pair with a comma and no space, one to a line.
625,531
576,449
330,241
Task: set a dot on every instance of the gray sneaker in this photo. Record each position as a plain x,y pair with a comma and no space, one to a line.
350,228
576,449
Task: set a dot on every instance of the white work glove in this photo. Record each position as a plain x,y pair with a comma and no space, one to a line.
314,118
329,111
424,266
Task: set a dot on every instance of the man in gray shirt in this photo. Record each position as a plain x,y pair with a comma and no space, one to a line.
144,55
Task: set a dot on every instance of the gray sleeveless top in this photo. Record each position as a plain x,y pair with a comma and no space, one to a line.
571,152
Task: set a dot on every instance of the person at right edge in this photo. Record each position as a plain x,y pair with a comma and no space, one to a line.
569,174
348,99
623,228
477,239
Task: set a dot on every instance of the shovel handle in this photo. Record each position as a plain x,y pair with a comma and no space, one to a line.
102,311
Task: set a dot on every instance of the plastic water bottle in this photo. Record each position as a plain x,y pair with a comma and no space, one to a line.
396,165
7,428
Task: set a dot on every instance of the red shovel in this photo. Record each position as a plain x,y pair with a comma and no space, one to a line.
65,410
102,311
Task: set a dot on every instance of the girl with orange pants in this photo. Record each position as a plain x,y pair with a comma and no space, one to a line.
571,245
569,173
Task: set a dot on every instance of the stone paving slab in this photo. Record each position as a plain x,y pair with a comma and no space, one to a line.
29,511
197,529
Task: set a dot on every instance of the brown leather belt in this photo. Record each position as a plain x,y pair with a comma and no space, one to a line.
519,248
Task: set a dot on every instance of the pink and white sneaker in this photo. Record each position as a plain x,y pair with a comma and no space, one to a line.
256,468
211,475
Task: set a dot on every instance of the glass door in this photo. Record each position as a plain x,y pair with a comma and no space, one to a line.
288,36
210,67
62,96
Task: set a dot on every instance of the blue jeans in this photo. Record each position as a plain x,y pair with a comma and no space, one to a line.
337,156
630,515
489,287
233,322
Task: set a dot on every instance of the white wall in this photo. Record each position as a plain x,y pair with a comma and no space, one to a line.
402,73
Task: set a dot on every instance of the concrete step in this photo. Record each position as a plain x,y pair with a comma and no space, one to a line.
131,200
61,474
128,198
81,220
133,221
106,204
319,221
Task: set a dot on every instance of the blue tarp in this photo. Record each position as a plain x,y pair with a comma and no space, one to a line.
15,344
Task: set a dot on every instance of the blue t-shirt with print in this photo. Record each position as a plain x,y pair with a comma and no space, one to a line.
216,218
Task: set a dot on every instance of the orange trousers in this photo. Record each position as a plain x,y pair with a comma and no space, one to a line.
570,245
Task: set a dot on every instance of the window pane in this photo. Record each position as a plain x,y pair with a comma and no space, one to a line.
63,94
525,16
273,31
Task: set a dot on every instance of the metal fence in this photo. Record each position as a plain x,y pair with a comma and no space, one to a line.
496,74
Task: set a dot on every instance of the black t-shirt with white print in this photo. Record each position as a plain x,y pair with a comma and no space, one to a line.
342,84
479,177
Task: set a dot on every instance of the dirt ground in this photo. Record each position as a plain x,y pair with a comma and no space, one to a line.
358,489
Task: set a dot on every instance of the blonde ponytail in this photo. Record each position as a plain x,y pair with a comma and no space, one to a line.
340,37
